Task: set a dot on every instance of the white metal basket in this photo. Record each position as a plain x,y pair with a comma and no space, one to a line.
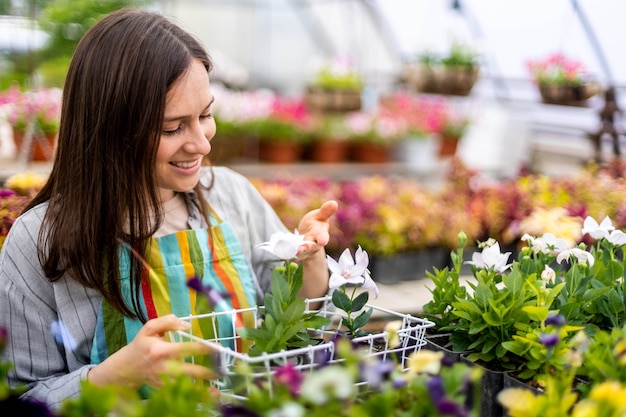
227,360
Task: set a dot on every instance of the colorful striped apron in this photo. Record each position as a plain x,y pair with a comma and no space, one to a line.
171,261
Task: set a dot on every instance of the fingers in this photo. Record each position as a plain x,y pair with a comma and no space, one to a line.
327,210
188,349
175,368
160,325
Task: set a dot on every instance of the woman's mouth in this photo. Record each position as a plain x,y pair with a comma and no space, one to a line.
184,165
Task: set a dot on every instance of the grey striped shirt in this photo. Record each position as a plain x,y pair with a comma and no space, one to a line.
30,304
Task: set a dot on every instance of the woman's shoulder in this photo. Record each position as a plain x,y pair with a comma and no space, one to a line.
30,220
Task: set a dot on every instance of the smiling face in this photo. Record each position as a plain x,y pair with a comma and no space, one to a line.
188,126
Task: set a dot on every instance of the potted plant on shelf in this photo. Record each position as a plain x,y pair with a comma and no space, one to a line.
336,87
562,80
329,139
282,132
373,135
36,113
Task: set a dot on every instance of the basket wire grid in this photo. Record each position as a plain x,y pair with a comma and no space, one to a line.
230,363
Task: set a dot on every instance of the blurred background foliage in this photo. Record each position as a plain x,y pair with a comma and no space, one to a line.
65,22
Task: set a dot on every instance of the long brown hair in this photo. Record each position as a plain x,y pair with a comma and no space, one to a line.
103,176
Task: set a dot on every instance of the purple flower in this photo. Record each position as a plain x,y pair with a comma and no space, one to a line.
229,410
5,192
16,406
290,376
549,340
216,298
374,373
443,405
556,320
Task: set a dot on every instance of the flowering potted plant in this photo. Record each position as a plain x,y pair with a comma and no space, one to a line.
282,133
562,80
285,324
38,110
373,135
336,87
330,140
347,275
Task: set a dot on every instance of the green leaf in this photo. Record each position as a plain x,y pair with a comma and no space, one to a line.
293,312
536,313
360,301
362,319
341,301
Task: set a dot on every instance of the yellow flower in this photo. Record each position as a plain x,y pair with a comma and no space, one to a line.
424,361
611,392
518,402
26,183
391,332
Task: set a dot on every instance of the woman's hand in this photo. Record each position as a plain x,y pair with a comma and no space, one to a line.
149,357
314,226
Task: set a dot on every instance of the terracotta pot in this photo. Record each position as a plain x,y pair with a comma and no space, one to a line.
447,146
370,152
42,147
328,151
279,151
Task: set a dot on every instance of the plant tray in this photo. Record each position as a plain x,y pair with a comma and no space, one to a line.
240,371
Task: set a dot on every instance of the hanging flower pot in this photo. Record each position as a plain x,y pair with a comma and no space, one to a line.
562,80
568,95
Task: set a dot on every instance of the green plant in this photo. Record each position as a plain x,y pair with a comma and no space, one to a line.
605,358
286,323
338,75
461,56
447,289
489,316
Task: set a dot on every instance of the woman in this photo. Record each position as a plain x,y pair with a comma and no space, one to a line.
94,273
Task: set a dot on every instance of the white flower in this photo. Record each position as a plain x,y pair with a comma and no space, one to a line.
617,237
548,274
491,258
330,383
581,255
553,244
348,270
290,409
595,230
284,245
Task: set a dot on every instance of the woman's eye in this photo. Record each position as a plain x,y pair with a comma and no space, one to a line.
173,132
206,116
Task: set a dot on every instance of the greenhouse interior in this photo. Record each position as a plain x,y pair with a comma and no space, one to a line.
443,180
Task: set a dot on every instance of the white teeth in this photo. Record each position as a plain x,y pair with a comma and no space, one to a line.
184,164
